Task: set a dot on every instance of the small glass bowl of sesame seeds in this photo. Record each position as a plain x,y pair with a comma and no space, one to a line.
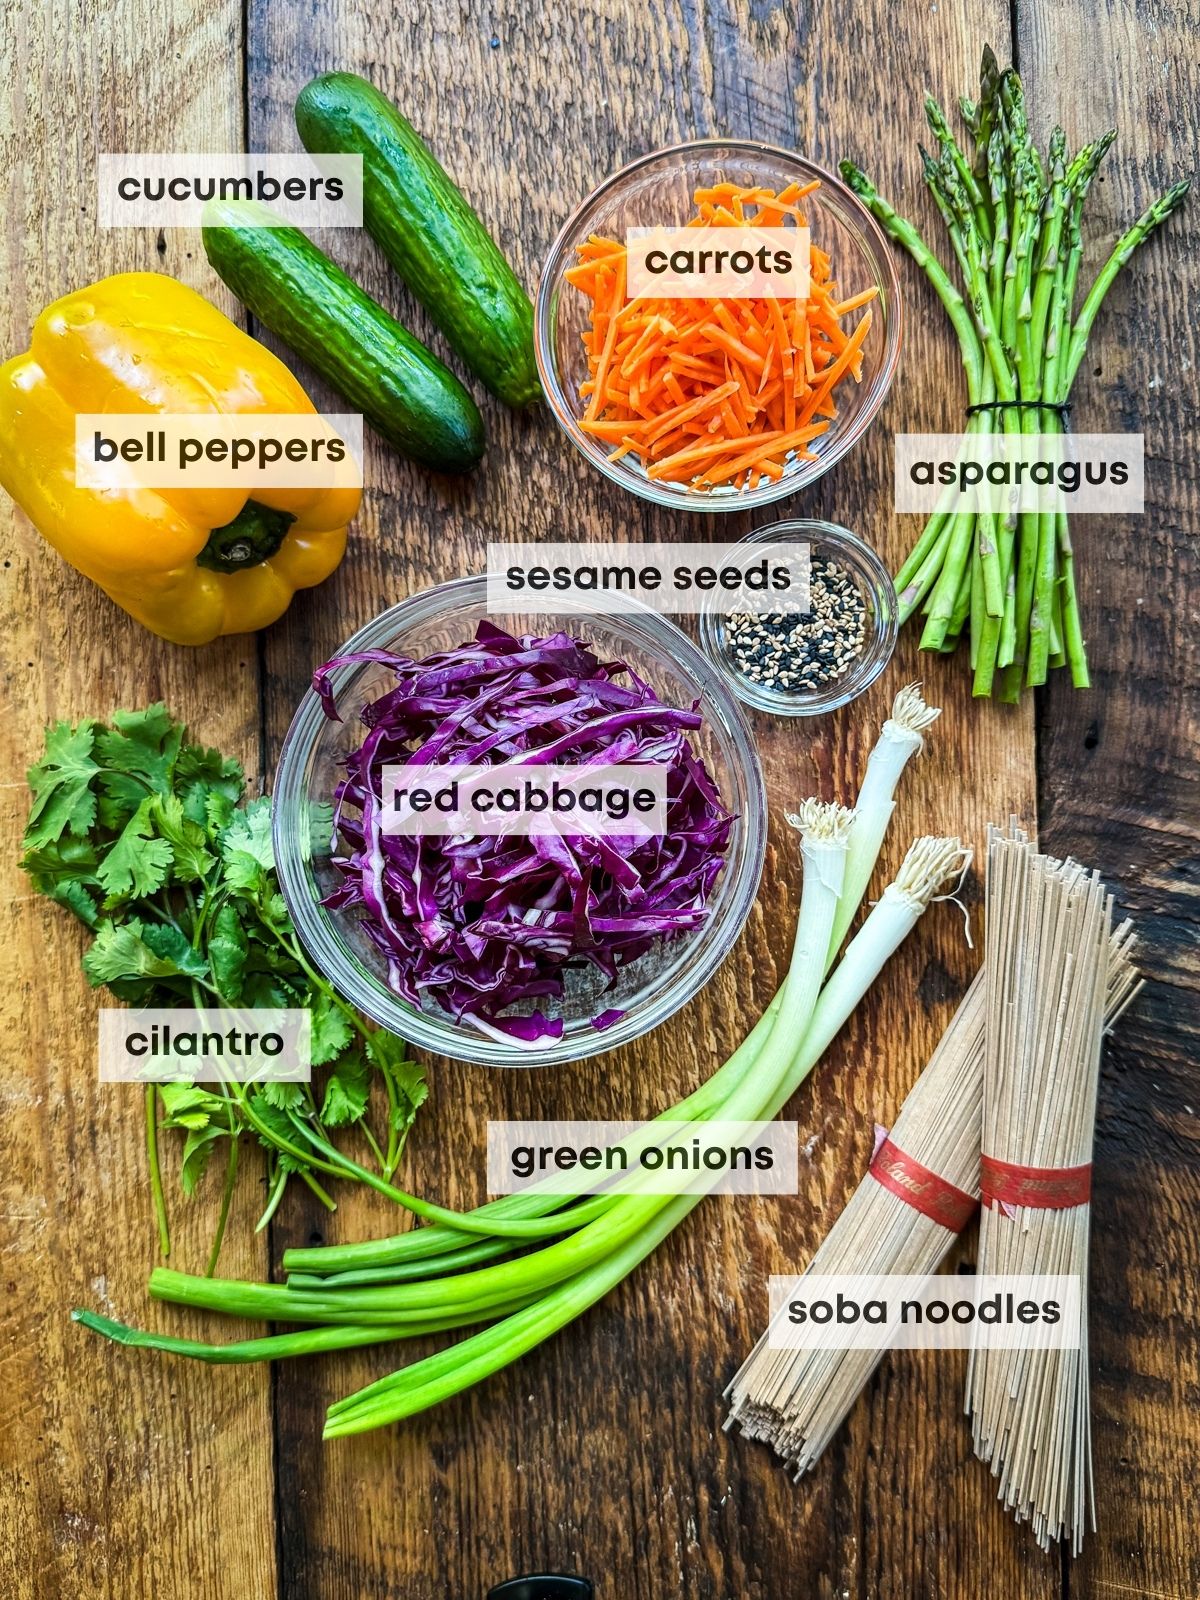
800,663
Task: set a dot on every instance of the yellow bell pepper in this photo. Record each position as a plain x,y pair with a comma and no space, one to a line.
193,563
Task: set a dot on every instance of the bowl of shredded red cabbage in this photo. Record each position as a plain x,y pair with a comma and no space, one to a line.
517,947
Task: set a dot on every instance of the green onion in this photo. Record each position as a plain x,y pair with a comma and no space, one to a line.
899,740
929,865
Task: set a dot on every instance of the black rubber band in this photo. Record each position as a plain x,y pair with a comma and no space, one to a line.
1061,408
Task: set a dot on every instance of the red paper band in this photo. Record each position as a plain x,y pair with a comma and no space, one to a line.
922,1189
1045,1188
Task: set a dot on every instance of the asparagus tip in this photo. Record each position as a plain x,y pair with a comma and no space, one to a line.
1175,196
854,176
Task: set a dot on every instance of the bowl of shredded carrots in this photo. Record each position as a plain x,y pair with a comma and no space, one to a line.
727,403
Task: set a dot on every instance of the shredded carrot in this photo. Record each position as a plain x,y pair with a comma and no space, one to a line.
855,300
716,391
766,443
627,445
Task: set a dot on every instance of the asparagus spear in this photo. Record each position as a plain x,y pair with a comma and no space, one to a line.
903,232
1153,217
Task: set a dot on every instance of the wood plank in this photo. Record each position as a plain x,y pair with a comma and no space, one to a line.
602,1450
1118,781
118,1475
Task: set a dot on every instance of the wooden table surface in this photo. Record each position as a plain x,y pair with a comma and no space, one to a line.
126,1475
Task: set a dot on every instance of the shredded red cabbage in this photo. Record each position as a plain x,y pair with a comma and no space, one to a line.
485,924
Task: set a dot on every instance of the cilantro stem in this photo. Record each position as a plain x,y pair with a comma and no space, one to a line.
292,945
211,897
394,1144
156,1183
295,949
304,1157
326,1199
280,1184
338,1165
375,1150
226,1197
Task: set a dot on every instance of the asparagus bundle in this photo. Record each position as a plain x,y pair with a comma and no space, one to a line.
1014,224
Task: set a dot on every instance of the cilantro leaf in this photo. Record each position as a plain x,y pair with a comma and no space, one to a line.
412,1093
279,1127
206,778
320,825
63,800
170,943
330,1029
250,832
268,989
136,863
283,1096
191,861
275,913
218,812
137,756
347,1092
133,951
119,952
407,1078
187,1105
246,851
69,892
66,872
228,948
197,1152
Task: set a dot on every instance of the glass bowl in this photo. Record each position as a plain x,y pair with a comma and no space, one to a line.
651,988
658,189
826,541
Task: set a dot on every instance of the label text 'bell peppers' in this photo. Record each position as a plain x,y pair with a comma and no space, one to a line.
270,450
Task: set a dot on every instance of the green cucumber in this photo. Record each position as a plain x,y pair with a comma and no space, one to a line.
428,232
402,389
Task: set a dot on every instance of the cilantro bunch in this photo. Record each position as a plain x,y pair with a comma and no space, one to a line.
149,841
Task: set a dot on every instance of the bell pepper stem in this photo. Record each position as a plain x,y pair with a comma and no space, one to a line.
253,537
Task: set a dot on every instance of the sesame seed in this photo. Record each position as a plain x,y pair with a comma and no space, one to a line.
806,653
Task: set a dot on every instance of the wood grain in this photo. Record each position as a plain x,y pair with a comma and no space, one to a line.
1118,783
117,1477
